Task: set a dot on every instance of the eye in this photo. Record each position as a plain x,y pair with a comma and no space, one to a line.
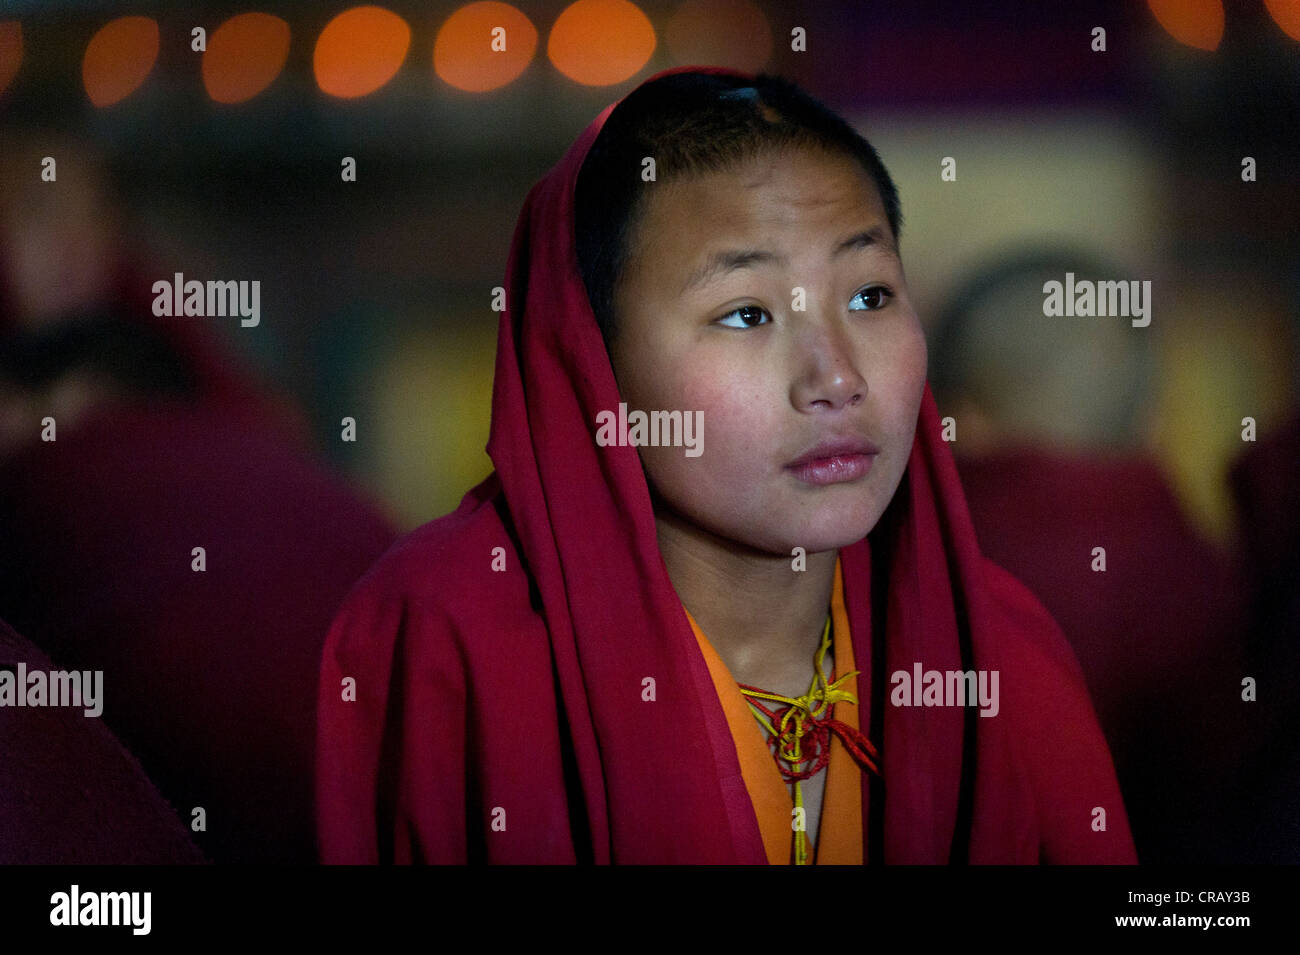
877,291
750,316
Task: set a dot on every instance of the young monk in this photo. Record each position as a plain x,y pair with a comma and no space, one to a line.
719,650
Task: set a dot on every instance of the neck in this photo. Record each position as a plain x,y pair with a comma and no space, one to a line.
764,618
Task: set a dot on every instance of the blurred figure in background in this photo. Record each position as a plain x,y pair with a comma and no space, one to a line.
1052,425
162,446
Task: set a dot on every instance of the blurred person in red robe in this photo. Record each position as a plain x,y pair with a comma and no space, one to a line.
163,445
1050,416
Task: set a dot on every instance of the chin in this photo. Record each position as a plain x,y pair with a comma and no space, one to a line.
853,525
830,530
834,540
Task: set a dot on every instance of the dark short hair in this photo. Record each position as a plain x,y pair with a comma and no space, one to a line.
695,123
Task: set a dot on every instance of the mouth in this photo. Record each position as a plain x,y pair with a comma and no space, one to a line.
835,461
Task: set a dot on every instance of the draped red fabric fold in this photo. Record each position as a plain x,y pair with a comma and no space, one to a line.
499,715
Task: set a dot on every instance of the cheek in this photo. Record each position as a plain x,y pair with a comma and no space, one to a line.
903,385
729,472
919,369
900,370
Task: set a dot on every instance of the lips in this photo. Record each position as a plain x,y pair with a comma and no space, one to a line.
834,461
834,448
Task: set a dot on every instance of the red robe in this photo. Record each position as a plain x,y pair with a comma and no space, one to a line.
1158,635
209,678
499,713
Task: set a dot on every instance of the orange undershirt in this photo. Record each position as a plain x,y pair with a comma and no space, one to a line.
839,841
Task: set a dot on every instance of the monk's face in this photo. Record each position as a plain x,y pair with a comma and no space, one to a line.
813,340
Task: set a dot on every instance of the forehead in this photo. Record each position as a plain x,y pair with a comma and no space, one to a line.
771,198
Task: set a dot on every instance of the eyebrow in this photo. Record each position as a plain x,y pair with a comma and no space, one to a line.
729,260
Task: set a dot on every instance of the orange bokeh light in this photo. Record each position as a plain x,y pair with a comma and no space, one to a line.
463,54
11,51
731,33
1197,23
244,56
118,58
601,42
1285,13
359,51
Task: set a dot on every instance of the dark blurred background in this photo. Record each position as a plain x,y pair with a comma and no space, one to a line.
1121,163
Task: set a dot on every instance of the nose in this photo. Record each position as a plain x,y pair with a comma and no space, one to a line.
828,376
